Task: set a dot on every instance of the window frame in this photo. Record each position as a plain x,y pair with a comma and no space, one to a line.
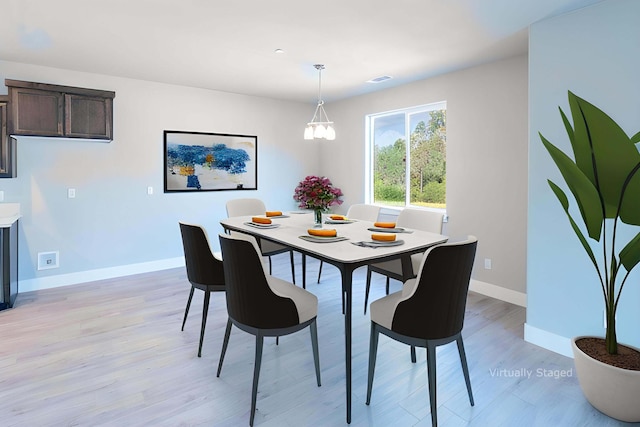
369,152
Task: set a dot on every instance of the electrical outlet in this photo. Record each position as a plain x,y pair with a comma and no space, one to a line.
149,190
71,193
487,263
48,260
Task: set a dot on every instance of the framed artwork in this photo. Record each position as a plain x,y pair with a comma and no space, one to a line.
199,161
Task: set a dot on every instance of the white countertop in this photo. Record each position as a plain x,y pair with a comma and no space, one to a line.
9,213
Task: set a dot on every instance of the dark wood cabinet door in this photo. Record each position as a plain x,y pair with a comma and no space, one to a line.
88,117
36,112
7,145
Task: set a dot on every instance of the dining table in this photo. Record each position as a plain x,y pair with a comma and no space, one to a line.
351,248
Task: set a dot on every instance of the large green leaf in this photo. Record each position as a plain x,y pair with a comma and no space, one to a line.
635,138
613,156
630,254
565,205
579,139
583,190
630,209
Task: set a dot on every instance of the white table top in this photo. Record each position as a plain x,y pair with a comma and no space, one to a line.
296,225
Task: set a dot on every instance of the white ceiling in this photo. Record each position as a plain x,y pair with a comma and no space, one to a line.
229,45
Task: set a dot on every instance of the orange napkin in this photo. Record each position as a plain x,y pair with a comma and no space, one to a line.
322,233
273,213
384,224
387,237
260,220
339,217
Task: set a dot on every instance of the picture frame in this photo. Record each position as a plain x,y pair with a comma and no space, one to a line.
203,161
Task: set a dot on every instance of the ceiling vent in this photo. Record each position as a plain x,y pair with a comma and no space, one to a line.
379,79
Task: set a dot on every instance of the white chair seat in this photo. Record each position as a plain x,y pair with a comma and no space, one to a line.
382,310
395,265
306,302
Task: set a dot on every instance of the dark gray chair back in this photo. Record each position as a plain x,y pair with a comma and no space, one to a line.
250,300
436,309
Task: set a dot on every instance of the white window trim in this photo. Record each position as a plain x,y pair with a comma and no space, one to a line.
369,118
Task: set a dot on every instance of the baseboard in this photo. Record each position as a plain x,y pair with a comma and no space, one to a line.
548,340
98,274
498,292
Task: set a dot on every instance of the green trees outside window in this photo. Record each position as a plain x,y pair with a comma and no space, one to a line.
424,160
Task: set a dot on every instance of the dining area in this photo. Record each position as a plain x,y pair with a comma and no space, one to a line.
428,310
112,352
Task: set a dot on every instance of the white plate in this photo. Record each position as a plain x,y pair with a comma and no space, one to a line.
339,221
378,244
258,225
278,216
389,230
299,212
320,239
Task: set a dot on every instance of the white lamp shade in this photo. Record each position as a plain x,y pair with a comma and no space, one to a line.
308,132
330,134
319,132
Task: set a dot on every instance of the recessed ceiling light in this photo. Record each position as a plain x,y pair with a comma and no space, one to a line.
379,79
278,51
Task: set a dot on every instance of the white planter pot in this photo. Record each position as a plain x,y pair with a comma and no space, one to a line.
611,390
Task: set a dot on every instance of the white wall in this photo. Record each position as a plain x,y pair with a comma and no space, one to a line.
486,159
594,52
486,153
113,227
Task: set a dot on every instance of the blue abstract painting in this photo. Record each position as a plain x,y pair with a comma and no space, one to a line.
198,161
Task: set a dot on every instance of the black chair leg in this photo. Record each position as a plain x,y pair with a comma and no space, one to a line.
293,268
186,311
314,345
465,368
413,354
373,350
431,374
205,310
366,292
269,265
227,333
256,376
387,285
320,271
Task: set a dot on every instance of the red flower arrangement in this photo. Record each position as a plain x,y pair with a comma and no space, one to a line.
317,193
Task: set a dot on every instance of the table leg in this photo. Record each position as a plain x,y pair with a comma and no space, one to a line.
304,271
347,278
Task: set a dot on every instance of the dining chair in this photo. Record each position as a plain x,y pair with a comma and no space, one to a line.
248,206
428,312
361,211
262,305
410,218
204,270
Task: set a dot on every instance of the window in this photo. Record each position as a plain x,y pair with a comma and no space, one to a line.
413,174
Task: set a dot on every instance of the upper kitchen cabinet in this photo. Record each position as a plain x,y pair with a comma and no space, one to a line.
40,109
7,144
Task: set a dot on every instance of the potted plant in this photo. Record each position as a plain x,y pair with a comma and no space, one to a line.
604,180
318,194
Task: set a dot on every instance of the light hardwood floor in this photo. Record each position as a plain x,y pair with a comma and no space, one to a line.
111,353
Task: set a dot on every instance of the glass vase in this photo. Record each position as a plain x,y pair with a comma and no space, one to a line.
317,217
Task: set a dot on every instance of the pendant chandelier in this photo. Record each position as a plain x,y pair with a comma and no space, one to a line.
320,127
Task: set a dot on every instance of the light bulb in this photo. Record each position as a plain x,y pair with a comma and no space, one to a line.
308,132
330,135
319,132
